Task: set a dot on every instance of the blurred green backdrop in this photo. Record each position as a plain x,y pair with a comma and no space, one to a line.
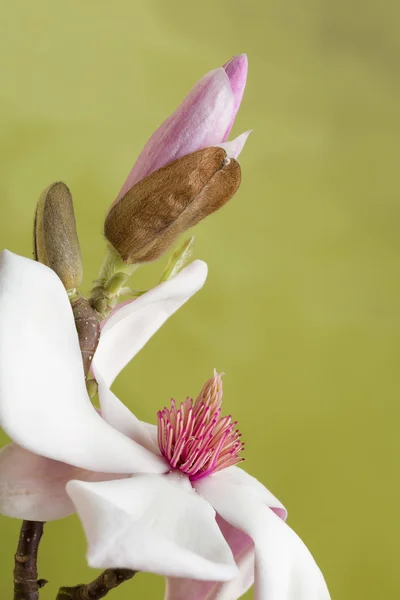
301,309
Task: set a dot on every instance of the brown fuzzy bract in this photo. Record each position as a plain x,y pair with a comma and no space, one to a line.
145,222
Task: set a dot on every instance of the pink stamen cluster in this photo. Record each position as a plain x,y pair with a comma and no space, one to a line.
194,438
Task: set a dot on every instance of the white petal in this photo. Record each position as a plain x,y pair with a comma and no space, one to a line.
234,147
44,406
243,551
33,487
235,476
284,568
130,327
152,523
121,418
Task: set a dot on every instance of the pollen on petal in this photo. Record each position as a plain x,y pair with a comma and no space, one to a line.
194,438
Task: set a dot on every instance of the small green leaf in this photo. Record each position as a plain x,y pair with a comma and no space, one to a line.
178,259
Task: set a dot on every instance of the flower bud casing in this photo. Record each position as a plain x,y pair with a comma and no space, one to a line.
56,241
145,222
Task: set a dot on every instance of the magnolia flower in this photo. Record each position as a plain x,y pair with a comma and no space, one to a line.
204,119
150,498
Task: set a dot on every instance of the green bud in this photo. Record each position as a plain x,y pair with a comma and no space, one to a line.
56,241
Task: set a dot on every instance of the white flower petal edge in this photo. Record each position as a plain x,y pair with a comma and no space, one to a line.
44,406
152,523
241,544
243,551
130,327
121,418
234,147
240,479
284,568
33,487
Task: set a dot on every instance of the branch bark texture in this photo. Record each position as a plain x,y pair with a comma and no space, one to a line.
26,583
98,588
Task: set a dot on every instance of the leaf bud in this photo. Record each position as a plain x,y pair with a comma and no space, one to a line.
56,241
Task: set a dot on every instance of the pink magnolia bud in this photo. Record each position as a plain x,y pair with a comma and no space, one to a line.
204,119
236,69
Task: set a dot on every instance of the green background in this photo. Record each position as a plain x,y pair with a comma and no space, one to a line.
301,308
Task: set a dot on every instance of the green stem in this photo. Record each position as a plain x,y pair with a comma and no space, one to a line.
113,275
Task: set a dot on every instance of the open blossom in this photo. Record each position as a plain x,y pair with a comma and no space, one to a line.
204,119
167,499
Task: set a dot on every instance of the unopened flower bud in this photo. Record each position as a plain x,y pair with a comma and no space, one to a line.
56,241
211,394
156,210
204,119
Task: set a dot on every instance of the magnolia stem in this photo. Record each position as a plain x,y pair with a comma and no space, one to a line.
113,275
88,328
110,578
26,584
98,588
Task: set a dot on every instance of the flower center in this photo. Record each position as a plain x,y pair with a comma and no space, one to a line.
196,440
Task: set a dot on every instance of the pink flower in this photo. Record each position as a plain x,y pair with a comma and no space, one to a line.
169,500
204,119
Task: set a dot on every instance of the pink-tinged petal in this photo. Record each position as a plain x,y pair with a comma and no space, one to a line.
242,548
284,568
33,487
236,69
152,523
130,327
234,147
121,418
201,120
44,406
241,544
